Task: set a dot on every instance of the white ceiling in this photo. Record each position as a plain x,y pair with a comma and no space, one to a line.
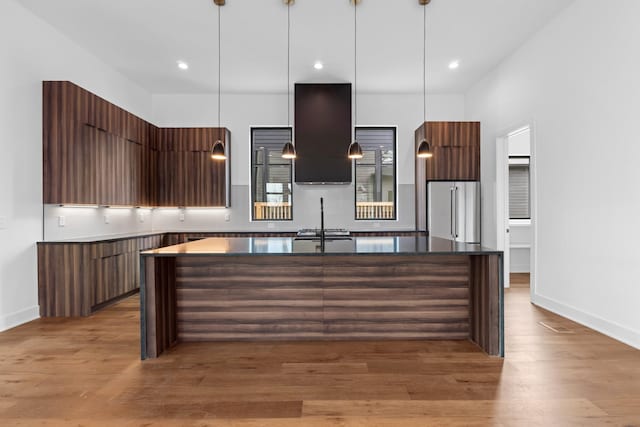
144,38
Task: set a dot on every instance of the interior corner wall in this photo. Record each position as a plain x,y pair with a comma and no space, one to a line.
576,83
240,112
33,51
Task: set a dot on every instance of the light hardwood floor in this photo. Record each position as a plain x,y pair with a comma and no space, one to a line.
86,372
519,280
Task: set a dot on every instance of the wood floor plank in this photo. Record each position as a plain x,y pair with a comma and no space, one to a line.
66,372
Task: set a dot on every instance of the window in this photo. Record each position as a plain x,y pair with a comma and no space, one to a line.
271,175
376,174
519,200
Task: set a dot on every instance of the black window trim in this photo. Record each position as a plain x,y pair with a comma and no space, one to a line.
251,181
395,178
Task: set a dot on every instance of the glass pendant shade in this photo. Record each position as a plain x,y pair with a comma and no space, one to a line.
424,150
289,151
217,152
355,151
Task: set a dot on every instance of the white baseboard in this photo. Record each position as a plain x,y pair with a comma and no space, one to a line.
519,268
19,317
610,329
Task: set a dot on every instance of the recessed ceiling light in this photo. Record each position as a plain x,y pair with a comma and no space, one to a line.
183,65
318,65
454,65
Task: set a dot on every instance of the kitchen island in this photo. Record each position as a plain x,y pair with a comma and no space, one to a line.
364,288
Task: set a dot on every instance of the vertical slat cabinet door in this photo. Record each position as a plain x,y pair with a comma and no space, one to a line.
439,134
103,166
124,177
135,167
117,278
464,163
167,180
132,271
467,134
152,177
201,179
90,164
98,290
191,174
438,167
177,180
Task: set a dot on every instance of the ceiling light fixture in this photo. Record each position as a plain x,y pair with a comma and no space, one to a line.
355,150
289,150
218,151
454,65
183,65
318,65
424,149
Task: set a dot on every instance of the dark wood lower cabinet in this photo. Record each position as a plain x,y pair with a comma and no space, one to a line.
76,279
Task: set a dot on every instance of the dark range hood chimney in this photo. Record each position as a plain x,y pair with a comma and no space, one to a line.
323,130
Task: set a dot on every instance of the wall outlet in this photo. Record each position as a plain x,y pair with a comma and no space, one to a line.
271,225
3,222
181,217
140,217
62,221
376,225
106,219
227,217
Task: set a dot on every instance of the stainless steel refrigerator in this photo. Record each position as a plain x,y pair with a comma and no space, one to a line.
453,210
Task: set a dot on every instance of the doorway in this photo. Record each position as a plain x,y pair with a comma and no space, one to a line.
515,197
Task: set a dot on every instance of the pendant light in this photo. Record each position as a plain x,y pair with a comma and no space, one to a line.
218,149
289,150
355,151
424,149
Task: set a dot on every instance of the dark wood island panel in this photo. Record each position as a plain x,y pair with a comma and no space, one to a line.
193,297
330,297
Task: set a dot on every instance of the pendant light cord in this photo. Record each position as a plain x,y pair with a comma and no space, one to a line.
288,64
355,65
219,67
424,62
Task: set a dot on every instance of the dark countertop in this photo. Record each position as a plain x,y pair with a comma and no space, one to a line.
106,239
125,236
399,245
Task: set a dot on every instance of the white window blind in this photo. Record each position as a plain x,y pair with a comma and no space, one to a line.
519,184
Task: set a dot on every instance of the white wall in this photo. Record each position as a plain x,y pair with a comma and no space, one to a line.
240,112
32,51
576,82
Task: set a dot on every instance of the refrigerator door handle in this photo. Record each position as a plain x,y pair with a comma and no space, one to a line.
455,197
453,211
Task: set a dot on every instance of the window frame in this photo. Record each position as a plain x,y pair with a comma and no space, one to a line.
520,161
252,164
395,176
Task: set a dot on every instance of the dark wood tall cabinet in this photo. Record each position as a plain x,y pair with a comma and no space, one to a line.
456,157
96,153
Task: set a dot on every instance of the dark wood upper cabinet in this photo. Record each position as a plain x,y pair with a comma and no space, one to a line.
186,174
456,152
96,153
